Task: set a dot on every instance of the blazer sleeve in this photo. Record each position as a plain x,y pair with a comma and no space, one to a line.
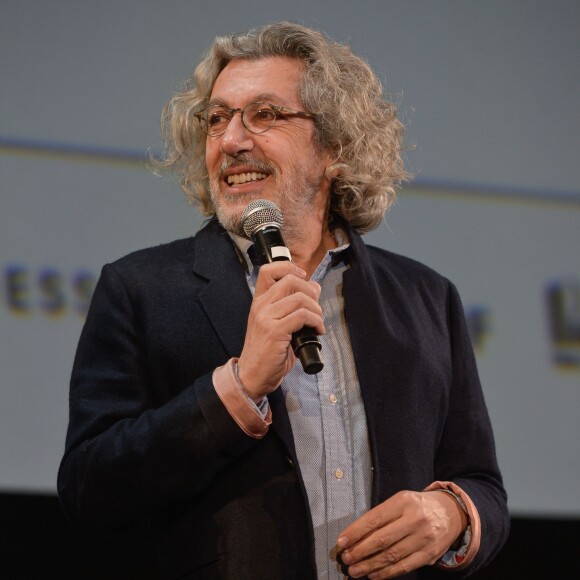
466,454
132,450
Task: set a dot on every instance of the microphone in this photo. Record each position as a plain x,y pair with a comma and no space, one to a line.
262,222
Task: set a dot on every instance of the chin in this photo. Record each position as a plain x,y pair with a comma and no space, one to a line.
230,217
229,207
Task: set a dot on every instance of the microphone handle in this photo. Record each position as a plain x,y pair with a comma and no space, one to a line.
306,345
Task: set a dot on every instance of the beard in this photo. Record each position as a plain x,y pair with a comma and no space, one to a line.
294,195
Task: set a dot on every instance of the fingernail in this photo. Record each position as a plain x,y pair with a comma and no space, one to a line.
346,557
300,271
342,542
354,571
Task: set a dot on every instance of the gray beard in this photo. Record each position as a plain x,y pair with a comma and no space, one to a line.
294,199
229,219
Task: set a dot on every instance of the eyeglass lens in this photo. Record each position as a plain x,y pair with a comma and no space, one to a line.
256,117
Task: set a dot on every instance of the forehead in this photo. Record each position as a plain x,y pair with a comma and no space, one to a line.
272,78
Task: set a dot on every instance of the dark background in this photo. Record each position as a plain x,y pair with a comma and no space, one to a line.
37,542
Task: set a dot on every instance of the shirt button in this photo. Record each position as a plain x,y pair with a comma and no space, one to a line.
332,399
339,473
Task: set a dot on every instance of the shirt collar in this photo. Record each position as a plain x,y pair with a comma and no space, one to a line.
332,256
242,246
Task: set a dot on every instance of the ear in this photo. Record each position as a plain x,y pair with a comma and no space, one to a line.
332,168
332,164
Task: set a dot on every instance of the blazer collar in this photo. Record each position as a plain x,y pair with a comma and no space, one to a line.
375,315
226,298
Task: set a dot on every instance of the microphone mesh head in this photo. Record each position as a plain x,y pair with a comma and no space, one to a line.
259,213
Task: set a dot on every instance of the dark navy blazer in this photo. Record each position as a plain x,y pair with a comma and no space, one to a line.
149,438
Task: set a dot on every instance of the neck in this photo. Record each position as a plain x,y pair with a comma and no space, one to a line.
309,248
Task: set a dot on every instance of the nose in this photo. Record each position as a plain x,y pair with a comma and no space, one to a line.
236,139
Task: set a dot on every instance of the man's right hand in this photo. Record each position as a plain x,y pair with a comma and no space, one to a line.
283,303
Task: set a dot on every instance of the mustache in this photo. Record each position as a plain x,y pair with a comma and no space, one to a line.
241,160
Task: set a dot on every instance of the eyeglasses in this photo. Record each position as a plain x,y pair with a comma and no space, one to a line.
256,117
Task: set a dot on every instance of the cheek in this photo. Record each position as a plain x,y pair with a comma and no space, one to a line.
211,156
287,153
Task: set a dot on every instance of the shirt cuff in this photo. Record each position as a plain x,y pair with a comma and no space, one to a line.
252,419
460,558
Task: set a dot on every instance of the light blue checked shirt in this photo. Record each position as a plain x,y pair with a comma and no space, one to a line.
328,420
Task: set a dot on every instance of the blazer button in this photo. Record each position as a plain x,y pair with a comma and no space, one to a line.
290,462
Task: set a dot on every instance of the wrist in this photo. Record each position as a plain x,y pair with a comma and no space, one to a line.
243,384
471,539
457,512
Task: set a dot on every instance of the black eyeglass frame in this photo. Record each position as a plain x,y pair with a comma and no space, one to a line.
278,110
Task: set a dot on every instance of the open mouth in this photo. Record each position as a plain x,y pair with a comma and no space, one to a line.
240,178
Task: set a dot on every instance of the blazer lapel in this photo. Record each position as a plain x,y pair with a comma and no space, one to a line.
226,299
378,341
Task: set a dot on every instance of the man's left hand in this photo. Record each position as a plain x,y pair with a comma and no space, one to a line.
407,531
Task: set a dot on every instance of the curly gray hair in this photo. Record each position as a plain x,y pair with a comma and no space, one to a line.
353,121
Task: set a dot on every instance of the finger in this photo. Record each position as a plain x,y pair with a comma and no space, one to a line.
303,317
292,304
381,540
400,568
290,285
386,512
277,321
287,286
269,274
389,557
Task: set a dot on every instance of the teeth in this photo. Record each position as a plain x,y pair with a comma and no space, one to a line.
240,178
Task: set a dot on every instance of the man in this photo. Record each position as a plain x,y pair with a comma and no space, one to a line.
188,407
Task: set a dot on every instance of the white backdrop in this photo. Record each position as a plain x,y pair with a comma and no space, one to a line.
490,94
